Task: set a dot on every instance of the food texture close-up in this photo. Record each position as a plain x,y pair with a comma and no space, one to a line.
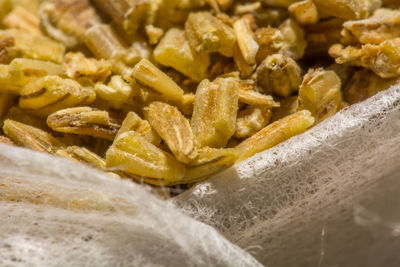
171,92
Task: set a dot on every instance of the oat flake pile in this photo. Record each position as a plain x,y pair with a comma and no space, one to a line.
273,125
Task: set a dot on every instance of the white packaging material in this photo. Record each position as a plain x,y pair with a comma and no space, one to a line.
328,197
54,212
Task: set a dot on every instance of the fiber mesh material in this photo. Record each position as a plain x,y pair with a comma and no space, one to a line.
54,212
329,197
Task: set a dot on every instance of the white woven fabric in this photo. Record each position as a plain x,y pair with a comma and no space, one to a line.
329,197
70,215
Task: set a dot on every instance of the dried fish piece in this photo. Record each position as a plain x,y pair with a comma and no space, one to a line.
52,93
133,154
175,51
21,19
104,43
35,46
383,25
81,154
347,9
117,92
305,12
76,65
279,3
294,43
149,75
251,120
383,59
207,34
364,84
31,137
322,35
275,133
133,122
279,74
67,20
320,93
246,40
270,41
129,15
208,162
84,121
215,110
173,128
254,98
7,50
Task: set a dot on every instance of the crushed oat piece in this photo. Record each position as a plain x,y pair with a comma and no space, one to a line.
246,40
251,120
215,110
347,9
175,51
117,92
254,98
208,162
275,133
280,75
270,41
67,20
245,69
129,15
84,121
383,25
364,84
16,113
149,75
21,19
320,93
154,34
207,34
6,140
383,59
31,137
103,42
35,46
81,154
289,106
305,12
52,93
133,122
76,65
7,50
133,154
322,35
294,43
173,128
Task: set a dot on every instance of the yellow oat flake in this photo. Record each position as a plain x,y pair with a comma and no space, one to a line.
173,128
215,111
175,51
133,154
275,133
383,59
207,33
